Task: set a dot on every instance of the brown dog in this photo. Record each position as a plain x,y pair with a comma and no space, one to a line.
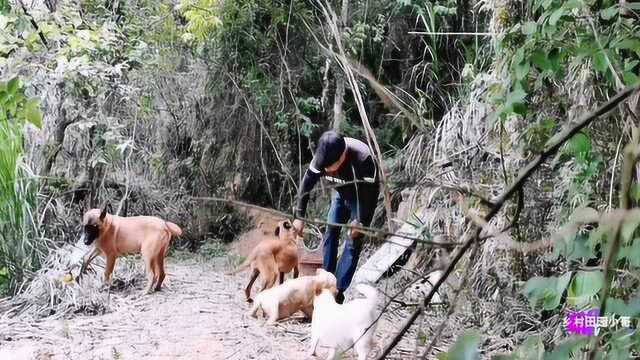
116,236
272,257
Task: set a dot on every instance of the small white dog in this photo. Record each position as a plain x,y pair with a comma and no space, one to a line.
341,326
293,295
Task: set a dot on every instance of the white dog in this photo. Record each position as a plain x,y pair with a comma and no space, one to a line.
295,294
341,326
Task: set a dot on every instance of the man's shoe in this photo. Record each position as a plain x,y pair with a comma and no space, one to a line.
340,297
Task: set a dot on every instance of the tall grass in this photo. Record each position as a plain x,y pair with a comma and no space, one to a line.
20,251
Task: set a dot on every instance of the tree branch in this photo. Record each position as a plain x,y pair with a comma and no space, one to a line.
553,146
364,229
34,23
631,153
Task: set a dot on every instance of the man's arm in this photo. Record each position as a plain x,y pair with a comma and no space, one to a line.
310,179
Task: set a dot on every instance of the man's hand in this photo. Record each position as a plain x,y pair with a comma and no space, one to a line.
354,234
299,226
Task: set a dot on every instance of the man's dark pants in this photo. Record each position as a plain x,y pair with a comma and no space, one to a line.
342,211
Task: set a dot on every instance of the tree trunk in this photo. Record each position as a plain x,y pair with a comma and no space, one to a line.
338,113
462,11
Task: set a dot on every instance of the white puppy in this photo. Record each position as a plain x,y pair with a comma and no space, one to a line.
295,294
341,326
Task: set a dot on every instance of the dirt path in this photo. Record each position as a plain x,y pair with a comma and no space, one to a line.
200,314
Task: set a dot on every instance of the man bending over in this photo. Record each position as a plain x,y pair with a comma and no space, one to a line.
349,164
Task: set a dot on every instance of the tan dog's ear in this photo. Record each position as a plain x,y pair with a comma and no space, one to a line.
103,214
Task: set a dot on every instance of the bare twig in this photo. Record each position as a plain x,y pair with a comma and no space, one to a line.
431,33
613,171
364,229
34,23
371,136
459,188
264,129
454,302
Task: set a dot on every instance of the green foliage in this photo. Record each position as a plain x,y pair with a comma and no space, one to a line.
5,6
465,348
4,280
202,18
286,121
16,107
88,55
584,286
537,134
622,308
575,244
578,245
309,106
531,349
559,35
579,146
546,290
574,248
17,193
242,31
566,350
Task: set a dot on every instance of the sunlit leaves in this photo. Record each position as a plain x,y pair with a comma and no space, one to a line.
579,146
12,86
202,17
629,225
584,286
555,16
609,13
15,107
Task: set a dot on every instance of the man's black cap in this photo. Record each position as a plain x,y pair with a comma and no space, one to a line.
330,147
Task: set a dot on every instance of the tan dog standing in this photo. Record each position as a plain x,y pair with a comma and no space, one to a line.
117,236
272,257
295,294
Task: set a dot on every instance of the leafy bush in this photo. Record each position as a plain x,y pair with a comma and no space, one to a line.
19,248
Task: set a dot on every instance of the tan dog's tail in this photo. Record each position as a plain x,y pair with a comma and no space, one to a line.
173,229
